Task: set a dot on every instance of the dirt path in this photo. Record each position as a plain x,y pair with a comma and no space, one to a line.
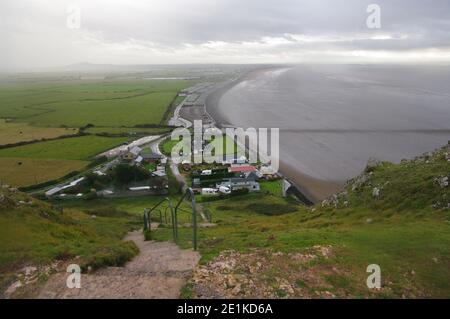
158,272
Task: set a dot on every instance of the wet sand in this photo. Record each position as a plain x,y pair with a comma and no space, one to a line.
312,188
332,119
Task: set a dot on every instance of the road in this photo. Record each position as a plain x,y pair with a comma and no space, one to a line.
140,142
176,120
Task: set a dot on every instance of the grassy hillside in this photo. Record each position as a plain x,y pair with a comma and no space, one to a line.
396,216
35,233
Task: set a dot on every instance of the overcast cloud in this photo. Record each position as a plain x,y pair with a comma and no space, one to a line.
34,33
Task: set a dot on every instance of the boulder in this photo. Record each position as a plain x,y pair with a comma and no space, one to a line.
372,164
376,192
442,181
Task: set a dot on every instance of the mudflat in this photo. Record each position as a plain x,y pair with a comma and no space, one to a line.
333,118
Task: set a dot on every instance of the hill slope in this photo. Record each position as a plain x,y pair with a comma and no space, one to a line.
35,234
395,216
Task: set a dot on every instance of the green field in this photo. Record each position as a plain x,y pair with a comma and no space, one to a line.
76,148
78,103
36,171
131,131
40,162
48,109
11,133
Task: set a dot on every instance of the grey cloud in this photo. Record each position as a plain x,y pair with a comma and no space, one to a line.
33,32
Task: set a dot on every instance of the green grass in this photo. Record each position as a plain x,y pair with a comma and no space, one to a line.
37,234
150,167
134,206
272,187
40,109
400,231
77,103
106,103
224,146
228,146
167,145
77,148
44,161
127,130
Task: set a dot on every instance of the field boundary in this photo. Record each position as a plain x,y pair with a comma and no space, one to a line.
11,145
169,111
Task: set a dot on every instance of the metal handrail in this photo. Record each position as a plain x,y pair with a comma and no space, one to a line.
147,214
174,215
189,192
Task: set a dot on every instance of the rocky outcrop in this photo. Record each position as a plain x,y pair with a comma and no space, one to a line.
442,181
265,274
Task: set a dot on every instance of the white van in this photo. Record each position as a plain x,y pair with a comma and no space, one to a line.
224,190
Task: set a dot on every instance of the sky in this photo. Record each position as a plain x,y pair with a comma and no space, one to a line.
49,33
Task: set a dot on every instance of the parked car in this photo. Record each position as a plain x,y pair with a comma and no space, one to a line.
206,172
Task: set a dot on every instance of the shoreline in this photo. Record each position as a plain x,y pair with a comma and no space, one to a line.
312,188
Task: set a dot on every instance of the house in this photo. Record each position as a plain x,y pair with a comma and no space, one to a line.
131,153
139,160
242,169
152,158
254,176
